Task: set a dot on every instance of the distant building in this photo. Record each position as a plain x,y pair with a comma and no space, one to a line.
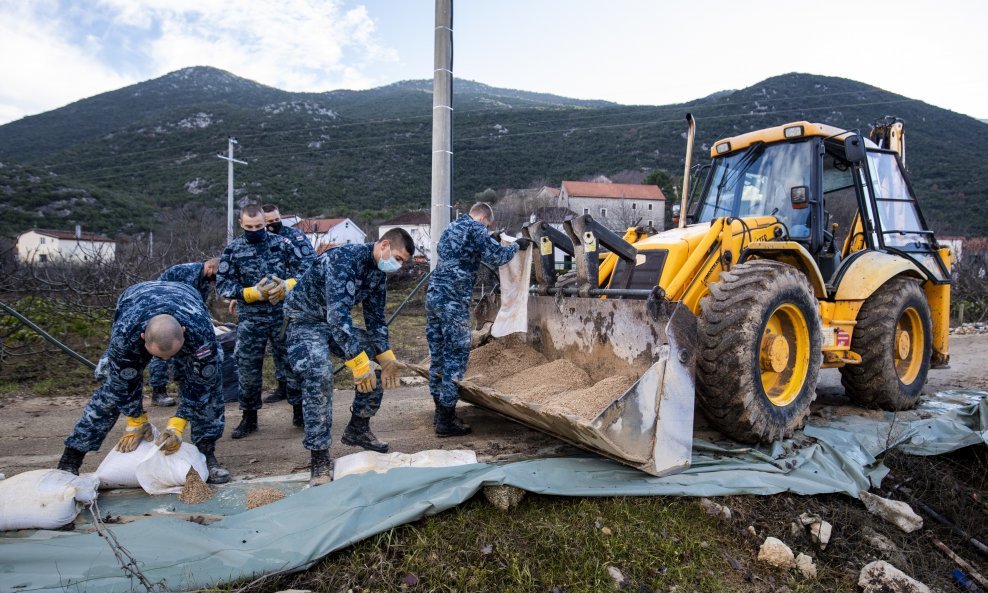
616,205
418,223
40,246
330,230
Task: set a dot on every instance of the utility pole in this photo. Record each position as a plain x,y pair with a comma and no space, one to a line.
442,126
229,185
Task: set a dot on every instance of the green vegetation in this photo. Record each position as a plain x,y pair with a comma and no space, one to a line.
367,154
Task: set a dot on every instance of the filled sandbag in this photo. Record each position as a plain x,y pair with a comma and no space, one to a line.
158,473
44,498
119,470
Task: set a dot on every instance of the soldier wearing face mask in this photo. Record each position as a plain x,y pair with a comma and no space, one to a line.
272,222
320,322
257,270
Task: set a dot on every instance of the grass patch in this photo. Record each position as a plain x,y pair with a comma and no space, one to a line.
546,544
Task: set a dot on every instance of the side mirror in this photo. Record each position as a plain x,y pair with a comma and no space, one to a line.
854,149
799,197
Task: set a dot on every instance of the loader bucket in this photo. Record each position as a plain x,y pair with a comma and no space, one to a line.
635,404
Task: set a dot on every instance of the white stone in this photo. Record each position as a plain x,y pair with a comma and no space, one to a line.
776,553
805,565
616,575
820,533
882,577
716,510
896,512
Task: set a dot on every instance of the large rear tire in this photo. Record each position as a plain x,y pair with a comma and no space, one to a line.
760,351
893,338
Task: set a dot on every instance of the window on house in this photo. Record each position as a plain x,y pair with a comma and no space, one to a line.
603,211
634,206
42,258
41,240
586,210
649,206
650,223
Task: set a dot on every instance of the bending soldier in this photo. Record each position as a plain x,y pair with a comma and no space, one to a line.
167,320
320,323
463,245
201,276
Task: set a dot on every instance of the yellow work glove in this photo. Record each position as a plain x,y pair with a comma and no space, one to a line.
363,373
274,292
138,429
390,369
258,292
171,439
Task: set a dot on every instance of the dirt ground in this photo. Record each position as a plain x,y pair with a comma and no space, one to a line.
34,427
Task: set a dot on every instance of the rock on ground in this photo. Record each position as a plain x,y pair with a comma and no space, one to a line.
714,509
882,577
805,565
776,553
896,512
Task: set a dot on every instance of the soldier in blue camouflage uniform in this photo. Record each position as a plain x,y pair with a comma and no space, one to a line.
256,270
320,323
201,276
463,246
168,320
272,221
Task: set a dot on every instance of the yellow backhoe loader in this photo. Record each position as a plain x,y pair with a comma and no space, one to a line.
803,249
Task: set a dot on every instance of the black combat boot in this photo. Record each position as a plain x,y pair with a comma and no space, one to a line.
71,460
277,395
218,474
319,468
448,425
160,397
297,419
248,425
358,434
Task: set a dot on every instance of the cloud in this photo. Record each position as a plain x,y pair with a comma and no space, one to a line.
55,55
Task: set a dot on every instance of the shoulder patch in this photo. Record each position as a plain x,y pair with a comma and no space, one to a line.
128,373
203,352
224,266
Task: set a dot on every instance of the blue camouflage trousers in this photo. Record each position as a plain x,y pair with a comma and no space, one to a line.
253,335
159,370
309,347
447,329
105,407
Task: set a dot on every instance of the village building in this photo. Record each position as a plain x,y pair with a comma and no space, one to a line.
330,231
40,246
615,205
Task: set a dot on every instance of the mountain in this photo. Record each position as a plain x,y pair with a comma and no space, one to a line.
367,154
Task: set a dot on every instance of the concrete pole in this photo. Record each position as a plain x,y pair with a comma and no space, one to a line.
442,125
229,186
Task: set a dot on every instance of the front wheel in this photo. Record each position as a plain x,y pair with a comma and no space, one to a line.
893,338
760,351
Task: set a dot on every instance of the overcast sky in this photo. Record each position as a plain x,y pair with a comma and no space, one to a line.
629,51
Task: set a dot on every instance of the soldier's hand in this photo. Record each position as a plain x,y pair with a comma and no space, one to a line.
390,370
258,292
523,243
362,368
171,439
274,292
496,235
138,429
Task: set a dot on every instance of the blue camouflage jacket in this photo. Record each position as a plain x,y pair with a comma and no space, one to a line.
190,274
122,365
334,284
463,245
243,264
300,241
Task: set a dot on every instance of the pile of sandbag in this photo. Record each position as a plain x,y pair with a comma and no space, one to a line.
148,468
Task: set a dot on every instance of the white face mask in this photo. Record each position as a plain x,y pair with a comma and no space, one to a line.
388,264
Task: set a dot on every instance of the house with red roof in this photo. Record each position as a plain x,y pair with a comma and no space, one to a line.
40,246
615,205
328,231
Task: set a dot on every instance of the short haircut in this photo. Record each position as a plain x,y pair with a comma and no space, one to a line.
400,238
251,210
483,210
269,208
164,333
